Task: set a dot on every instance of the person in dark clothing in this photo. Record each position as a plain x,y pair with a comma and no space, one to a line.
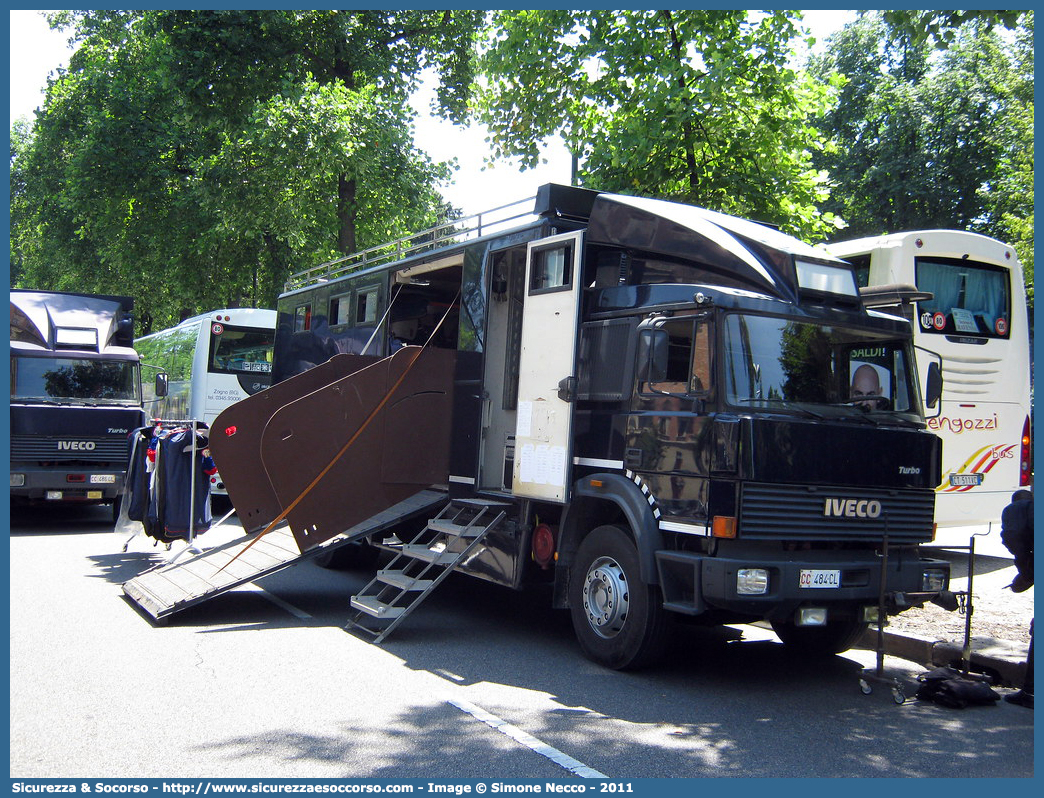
1017,536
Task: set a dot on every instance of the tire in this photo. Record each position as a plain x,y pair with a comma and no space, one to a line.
619,620
361,556
834,638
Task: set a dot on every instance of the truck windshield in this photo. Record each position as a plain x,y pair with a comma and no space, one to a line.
817,369
74,379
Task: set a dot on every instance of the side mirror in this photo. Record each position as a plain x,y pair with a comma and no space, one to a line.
652,356
162,386
933,385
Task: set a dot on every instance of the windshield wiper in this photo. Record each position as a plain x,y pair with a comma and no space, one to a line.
789,406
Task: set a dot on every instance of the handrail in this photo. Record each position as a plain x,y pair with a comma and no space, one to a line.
454,231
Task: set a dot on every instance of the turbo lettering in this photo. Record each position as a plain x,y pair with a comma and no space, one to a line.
851,508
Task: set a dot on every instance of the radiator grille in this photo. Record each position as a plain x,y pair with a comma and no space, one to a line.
40,449
799,512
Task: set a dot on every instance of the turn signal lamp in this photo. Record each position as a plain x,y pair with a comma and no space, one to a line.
723,526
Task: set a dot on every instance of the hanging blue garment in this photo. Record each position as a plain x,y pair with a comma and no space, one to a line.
179,475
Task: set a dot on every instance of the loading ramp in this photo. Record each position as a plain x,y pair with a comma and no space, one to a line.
170,588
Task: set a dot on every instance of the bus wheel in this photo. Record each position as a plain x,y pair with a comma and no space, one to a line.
835,637
619,621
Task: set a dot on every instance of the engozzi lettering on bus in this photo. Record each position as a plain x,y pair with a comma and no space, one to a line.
959,425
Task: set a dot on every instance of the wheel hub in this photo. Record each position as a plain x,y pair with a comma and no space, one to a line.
606,597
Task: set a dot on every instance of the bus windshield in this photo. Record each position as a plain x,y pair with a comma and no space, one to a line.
241,350
969,298
817,369
74,379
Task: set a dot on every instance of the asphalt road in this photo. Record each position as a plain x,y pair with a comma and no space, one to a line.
480,682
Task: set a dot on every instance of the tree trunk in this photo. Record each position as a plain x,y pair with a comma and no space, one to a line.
278,270
346,215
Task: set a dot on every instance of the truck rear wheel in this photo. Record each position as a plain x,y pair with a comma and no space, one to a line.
619,621
834,638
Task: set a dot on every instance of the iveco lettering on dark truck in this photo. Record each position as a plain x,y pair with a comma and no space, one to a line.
662,412
75,395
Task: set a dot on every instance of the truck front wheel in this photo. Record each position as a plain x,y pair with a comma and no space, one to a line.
619,621
834,638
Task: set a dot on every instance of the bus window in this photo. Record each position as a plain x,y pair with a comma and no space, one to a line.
366,305
340,308
302,318
241,350
969,298
181,348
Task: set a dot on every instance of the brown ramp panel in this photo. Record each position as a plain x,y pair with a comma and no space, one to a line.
398,451
235,438
176,586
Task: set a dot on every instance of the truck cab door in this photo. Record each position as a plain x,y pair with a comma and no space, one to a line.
547,369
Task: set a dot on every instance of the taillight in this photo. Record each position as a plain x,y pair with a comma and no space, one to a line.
543,545
1026,456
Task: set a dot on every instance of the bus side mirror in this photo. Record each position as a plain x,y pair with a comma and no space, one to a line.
162,387
933,386
652,356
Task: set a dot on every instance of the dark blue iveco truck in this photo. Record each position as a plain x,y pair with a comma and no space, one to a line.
75,396
663,413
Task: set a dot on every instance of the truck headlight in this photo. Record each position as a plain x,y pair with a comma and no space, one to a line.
934,580
751,581
17,480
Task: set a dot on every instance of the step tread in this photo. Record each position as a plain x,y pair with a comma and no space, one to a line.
399,579
376,608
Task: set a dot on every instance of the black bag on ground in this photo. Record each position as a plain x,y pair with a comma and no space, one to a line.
945,686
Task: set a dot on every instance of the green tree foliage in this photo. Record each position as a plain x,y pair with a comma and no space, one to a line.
941,26
692,105
932,138
194,158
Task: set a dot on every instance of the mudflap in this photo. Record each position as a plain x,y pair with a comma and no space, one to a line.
285,451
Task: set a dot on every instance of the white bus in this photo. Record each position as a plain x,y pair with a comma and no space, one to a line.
211,361
976,322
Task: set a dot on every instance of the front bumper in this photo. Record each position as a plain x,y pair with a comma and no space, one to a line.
65,484
694,583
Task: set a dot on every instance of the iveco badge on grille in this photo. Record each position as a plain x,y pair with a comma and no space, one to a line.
852,508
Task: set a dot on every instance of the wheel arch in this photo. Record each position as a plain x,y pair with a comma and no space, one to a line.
612,499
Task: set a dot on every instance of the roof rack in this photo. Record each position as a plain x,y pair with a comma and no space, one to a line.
454,231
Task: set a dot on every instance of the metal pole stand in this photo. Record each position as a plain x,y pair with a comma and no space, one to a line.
875,676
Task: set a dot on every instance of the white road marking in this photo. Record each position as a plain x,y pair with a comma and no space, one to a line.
528,740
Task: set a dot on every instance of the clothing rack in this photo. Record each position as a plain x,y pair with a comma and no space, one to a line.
195,426
191,545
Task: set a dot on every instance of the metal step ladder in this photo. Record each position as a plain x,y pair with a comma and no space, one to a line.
449,539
